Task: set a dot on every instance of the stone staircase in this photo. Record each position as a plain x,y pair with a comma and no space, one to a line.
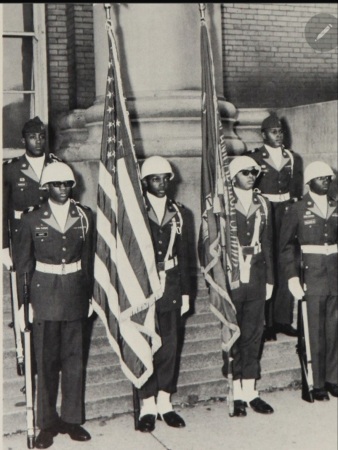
109,393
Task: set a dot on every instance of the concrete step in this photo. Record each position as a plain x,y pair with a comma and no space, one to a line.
108,392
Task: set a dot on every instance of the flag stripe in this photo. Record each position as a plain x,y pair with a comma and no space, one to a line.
126,281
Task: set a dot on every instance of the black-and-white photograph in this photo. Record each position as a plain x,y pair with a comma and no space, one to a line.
169,224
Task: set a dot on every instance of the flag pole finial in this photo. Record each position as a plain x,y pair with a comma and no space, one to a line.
202,7
107,8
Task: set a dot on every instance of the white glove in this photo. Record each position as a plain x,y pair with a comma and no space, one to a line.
21,316
6,258
295,288
185,304
91,309
269,289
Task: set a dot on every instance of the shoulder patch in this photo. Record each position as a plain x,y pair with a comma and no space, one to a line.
31,208
10,161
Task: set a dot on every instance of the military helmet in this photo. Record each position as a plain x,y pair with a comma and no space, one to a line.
272,121
240,163
156,164
57,171
317,169
33,126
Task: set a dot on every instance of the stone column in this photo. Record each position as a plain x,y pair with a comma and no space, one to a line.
159,52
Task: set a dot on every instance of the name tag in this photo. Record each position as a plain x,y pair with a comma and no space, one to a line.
41,234
309,222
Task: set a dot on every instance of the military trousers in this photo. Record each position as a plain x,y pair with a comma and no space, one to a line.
246,350
165,359
280,307
59,348
323,331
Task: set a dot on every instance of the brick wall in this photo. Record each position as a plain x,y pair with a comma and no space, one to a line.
70,44
267,60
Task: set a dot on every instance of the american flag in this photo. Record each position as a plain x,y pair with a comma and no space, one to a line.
126,282
218,243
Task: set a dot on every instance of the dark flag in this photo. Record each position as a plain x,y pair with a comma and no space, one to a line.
218,243
126,281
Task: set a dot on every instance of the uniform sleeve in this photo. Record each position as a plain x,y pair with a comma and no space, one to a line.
288,244
267,246
296,185
87,256
183,255
6,192
25,260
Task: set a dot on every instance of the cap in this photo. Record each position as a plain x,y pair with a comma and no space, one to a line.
317,169
271,121
242,162
33,126
156,164
57,171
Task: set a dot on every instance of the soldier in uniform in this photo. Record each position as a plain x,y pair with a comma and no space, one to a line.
254,227
21,182
56,251
169,235
309,231
281,182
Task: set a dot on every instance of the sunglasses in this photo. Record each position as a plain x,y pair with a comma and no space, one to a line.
253,172
66,184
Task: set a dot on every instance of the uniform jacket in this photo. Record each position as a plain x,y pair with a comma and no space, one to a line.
53,296
288,178
304,224
178,278
21,189
261,271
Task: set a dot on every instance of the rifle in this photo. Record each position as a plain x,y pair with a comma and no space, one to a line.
15,312
303,346
136,406
28,371
230,396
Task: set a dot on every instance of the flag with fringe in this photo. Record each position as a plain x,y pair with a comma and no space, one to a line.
218,243
126,283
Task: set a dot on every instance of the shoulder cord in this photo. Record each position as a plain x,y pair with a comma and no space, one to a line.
244,263
175,229
291,159
83,217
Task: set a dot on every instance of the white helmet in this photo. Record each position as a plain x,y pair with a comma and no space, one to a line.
317,169
242,162
156,164
57,171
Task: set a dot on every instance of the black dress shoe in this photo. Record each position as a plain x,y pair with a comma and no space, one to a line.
146,423
172,419
240,408
332,388
320,394
269,334
286,328
45,438
260,406
75,431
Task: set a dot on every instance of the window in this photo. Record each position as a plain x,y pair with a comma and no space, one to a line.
24,68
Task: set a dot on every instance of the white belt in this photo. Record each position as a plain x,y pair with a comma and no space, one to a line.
17,214
58,269
167,265
278,197
320,249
